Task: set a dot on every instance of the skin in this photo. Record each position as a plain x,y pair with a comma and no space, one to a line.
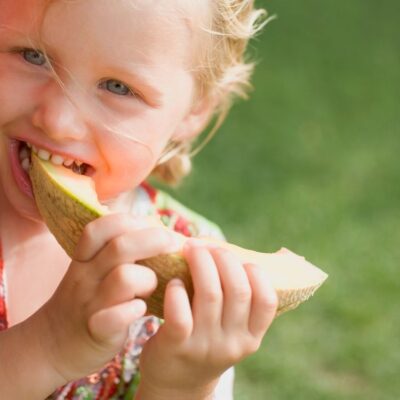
79,317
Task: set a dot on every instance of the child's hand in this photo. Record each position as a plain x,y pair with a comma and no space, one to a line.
86,321
233,306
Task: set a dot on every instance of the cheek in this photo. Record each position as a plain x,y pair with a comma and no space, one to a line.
17,95
127,167
135,165
128,162
10,100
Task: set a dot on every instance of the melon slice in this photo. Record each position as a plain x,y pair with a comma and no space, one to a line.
68,201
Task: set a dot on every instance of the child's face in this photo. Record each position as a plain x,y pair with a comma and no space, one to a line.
127,88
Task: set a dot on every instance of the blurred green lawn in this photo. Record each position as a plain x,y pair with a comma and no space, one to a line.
311,162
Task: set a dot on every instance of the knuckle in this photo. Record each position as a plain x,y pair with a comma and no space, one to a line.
222,252
241,293
89,230
252,347
189,355
163,237
118,219
268,302
121,275
118,245
234,353
158,237
225,256
126,275
241,347
181,329
212,296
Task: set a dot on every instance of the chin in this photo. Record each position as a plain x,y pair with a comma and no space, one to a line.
23,206
29,213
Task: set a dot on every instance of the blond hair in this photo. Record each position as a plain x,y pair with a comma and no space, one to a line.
224,74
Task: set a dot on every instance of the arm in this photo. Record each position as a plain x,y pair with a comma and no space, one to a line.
147,392
223,391
86,321
25,371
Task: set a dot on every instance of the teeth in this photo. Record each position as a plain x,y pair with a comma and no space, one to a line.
57,159
24,153
47,156
25,163
24,158
44,154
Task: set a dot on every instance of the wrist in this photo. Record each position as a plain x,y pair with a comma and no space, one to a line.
34,332
146,391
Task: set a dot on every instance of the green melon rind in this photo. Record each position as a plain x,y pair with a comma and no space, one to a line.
64,213
66,216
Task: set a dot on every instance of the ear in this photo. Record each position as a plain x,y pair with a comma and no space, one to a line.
195,120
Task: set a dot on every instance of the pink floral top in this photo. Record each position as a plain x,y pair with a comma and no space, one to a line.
120,377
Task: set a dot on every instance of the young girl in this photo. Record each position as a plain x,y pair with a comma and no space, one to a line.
118,90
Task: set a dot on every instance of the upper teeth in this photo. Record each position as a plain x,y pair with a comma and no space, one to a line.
56,159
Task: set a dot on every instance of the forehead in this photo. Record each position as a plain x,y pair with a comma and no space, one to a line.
120,24
20,16
158,25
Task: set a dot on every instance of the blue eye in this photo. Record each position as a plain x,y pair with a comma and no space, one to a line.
34,57
116,87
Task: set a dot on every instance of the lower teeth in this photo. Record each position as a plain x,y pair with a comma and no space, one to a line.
25,163
24,157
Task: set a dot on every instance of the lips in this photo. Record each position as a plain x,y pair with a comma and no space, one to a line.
21,177
19,153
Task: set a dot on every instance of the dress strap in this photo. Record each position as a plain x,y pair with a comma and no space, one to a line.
3,308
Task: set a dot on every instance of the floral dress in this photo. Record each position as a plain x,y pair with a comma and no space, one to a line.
120,377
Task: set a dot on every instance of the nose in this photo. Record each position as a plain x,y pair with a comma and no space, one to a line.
57,116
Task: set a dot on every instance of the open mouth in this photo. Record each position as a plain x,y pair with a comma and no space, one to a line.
21,160
25,149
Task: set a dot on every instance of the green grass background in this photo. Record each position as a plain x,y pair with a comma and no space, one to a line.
312,162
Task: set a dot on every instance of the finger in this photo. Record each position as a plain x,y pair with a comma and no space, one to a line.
111,325
236,289
207,299
100,231
177,312
133,246
122,284
264,300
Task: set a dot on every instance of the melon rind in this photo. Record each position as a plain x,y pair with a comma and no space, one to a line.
66,214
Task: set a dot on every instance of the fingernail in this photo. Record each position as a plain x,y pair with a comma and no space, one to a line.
139,307
176,282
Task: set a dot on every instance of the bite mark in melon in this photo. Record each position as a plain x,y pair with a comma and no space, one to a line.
67,202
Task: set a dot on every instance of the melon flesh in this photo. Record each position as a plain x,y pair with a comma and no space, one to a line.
68,201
